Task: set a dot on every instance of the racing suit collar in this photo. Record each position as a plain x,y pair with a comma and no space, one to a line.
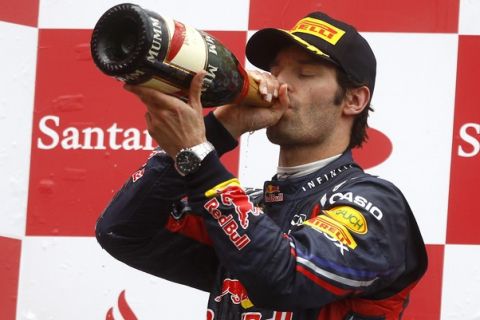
304,169
276,191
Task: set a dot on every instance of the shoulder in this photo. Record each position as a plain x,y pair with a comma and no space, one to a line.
369,194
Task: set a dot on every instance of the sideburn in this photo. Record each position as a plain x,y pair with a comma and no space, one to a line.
339,95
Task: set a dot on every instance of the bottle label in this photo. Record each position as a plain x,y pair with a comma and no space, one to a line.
223,82
184,55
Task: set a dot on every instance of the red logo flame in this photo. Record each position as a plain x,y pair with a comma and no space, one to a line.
375,151
124,308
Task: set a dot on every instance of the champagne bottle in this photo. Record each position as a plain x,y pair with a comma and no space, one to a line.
138,46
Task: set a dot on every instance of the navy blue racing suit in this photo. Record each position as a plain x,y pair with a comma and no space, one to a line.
335,244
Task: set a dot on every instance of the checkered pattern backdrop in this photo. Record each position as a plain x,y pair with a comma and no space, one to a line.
57,178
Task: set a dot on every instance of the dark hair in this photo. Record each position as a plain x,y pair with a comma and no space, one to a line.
358,134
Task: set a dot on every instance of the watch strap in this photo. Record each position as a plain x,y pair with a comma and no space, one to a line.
202,149
188,160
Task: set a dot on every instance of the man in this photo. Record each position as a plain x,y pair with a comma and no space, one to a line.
322,240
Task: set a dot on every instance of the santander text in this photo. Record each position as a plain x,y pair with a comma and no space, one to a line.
470,134
90,138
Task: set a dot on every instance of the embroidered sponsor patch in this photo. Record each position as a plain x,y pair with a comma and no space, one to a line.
232,197
235,196
228,224
273,194
350,218
332,228
138,174
320,29
236,291
221,186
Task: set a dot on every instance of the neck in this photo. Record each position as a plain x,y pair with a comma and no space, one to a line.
336,142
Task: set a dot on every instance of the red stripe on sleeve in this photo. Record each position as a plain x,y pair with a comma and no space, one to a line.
324,284
190,226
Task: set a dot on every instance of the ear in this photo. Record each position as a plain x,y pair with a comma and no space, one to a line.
356,100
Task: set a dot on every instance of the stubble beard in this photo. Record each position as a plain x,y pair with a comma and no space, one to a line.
291,131
295,131
282,133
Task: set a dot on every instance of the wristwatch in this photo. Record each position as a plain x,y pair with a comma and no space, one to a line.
188,160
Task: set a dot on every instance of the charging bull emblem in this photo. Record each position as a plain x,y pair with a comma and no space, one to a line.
236,197
236,291
273,194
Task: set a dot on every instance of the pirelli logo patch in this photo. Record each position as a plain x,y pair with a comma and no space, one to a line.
320,29
350,218
332,228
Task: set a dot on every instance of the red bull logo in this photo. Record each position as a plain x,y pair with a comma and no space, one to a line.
273,194
235,196
272,188
232,196
236,291
227,223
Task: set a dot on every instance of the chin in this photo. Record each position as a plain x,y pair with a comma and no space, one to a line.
278,136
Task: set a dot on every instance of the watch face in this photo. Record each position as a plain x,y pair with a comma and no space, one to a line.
187,162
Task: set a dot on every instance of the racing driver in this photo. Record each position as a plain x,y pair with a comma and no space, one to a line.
321,240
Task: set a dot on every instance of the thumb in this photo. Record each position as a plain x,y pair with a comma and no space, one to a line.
283,96
195,92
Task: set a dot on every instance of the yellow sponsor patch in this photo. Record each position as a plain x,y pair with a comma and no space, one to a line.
350,218
320,29
219,187
332,228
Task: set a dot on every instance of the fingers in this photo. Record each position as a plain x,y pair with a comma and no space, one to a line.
195,92
283,95
149,122
268,85
173,123
153,99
